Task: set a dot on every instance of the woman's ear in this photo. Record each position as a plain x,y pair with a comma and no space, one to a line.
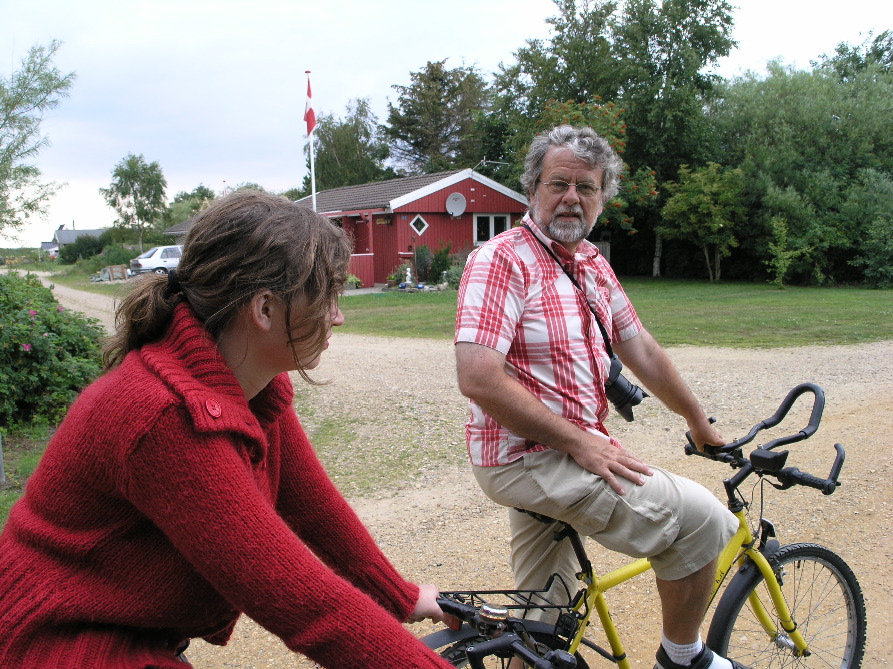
260,311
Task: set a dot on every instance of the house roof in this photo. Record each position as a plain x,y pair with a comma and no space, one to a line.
63,237
393,193
382,195
179,229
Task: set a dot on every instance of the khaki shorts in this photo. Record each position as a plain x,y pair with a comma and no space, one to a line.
676,523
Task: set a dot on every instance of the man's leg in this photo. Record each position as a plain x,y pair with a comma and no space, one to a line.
536,556
677,523
684,603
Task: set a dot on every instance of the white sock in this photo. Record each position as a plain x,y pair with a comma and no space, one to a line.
684,653
681,653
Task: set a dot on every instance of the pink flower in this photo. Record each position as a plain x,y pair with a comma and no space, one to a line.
60,308
26,348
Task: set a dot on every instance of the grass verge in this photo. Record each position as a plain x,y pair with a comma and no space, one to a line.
22,451
677,313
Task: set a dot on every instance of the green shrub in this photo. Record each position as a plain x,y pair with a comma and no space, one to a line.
877,253
454,276
422,261
131,237
115,254
80,249
440,263
47,354
399,272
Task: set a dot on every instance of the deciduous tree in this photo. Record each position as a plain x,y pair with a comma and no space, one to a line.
186,204
805,153
350,150
651,58
25,97
705,207
136,193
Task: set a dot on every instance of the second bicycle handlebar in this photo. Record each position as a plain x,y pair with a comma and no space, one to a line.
505,636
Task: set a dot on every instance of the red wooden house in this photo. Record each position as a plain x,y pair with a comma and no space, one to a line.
387,220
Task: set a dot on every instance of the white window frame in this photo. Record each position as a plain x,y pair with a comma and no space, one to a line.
492,216
418,217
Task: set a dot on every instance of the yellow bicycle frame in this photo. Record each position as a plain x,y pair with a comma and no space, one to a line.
739,549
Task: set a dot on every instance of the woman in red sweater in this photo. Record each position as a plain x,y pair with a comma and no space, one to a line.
181,491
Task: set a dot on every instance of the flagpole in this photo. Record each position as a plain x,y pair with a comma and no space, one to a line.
310,117
312,173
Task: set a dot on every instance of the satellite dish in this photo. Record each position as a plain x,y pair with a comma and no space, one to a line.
455,204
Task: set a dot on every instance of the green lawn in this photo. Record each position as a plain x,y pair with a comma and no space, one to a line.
112,289
676,313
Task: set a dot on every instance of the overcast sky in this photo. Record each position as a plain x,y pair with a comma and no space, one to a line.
215,91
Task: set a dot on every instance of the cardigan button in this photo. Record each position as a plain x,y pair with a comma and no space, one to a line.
213,407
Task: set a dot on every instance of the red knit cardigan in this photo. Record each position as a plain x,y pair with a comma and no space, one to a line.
166,504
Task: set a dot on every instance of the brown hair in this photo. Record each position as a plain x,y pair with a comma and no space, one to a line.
244,243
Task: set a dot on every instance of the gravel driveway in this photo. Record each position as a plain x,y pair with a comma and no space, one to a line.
401,395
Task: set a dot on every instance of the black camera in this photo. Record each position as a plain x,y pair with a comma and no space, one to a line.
623,394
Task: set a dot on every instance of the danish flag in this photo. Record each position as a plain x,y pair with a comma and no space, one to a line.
309,114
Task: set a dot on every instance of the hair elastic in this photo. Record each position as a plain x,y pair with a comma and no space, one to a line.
173,283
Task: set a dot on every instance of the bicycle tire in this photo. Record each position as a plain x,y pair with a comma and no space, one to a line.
455,652
825,600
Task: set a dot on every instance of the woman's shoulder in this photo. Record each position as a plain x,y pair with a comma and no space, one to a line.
124,397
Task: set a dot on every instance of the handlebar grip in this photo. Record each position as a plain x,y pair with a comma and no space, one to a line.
456,609
792,476
531,658
709,451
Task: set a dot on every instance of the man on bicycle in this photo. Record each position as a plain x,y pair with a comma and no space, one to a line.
532,360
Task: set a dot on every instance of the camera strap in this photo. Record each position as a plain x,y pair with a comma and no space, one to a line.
577,285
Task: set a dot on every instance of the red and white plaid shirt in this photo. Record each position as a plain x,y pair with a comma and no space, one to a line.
516,299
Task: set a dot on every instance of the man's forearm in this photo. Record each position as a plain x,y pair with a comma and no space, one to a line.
653,367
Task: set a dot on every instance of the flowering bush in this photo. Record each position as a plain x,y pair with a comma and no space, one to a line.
47,354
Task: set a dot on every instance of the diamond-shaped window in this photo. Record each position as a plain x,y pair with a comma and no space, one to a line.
419,224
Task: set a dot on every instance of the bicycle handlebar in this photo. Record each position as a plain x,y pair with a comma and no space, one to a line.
508,642
502,637
765,460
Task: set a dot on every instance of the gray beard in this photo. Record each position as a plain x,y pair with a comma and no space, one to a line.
562,231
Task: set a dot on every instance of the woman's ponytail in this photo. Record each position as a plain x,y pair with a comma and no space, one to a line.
143,315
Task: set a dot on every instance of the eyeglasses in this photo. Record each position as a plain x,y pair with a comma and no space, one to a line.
559,187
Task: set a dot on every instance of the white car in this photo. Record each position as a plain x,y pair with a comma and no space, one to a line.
159,259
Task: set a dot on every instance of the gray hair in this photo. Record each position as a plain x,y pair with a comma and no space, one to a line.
587,145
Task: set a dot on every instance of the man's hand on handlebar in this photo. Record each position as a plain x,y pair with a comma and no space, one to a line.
703,432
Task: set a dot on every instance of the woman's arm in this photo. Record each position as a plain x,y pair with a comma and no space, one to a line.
202,493
319,514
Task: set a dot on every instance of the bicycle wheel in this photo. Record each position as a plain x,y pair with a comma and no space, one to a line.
826,603
455,654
